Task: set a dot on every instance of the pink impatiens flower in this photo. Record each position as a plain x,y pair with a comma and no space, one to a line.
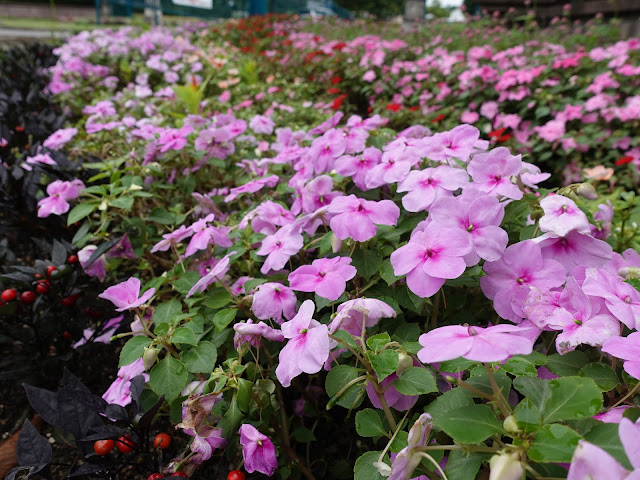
60,137
492,172
491,344
274,301
628,349
125,295
251,333
215,275
59,193
357,218
426,186
562,215
355,314
279,248
308,346
327,277
119,393
258,451
431,257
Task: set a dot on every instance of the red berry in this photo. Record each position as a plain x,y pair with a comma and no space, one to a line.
72,259
28,297
236,475
37,275
162,441
9,295
43,286
179,474
50,270
67,334
125,444
69,301
103,447
155,476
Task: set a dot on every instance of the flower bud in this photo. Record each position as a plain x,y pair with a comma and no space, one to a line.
587,191
149,357
383,468
510,424
404,361
505,466
336,243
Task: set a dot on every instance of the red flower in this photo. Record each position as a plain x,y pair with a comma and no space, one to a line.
438,118
414,108
337,103
339,46
336,80
394,107
333,91
625,160
497,133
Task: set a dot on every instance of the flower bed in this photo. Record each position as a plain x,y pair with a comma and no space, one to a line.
312,294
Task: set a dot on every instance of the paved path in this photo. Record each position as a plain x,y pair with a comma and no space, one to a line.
14,34
60,12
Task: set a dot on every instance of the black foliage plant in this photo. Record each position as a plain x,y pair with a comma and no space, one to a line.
74,410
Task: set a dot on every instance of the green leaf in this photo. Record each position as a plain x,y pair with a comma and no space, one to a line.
407,332
480,379
133,349
567,365
470,425
253,283
604,376
384,363
184,335
416,381
456,365
168,377
572,398
453,399
125,203
166,311
464,465
244,393
303,435
364,468
346,337
528,416
186,281
519,366
224,317
230,422
535,389
605,436
377,342
553,443
367,262
386,272
80,211
201,358
337,378
217,298
368,423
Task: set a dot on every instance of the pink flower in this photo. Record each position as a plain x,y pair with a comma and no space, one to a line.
215,275
252,187
628,349
562,215
262,124
39,159
326,276
308,346
119,393
249,332
326,149
202,235
491,344
59,193
98,267
279,248
125,295
620,298
172,238
258,452
552,130
352,314
59,138
357,218
274,301
358,166
492,172
174,138
428,185
431,257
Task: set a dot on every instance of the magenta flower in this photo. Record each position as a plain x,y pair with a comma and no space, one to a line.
59,193
174,138
308,346
358,166
575,249
279,248
431,257
327,277
98,268
509,279
408,458
202,235
39,159
492,172
352,314
262,124
269,216
119,393
258,452
326,149
458,142
122,249
172,238
477,217
249,332
562,215
491,344
215,275
428,185
252,187
274,301
125,295
315,194
357,218
394,166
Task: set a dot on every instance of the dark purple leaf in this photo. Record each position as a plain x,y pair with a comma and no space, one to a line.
33,449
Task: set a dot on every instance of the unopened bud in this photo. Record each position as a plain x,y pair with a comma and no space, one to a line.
505,466
510,424
336,243
383,468
404,361
629,272
149,357
587,191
